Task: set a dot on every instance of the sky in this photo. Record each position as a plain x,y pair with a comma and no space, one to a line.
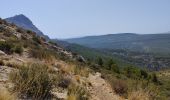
76,18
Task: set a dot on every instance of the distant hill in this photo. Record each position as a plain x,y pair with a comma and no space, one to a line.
24,22
150,43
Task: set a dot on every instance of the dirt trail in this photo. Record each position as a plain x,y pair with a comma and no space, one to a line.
100,89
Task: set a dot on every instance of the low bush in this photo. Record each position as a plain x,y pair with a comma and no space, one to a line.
32,81
115,68
99,61
2,63
6,47
10,48
37,39
154,78
132,72
18,49
120,87
64,82
144,74
41,53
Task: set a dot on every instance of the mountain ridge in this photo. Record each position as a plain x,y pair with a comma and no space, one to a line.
131,41
22,21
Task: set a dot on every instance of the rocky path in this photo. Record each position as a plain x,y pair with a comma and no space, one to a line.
100,89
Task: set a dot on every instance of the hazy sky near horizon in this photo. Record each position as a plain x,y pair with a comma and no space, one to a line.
76,18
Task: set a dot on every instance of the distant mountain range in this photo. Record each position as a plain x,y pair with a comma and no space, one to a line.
149,43
24,22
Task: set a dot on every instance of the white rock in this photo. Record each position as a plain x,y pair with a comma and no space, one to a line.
2,53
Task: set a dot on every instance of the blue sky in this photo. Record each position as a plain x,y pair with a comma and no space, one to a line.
76,18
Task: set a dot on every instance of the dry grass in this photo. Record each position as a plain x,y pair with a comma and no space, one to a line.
42,54
13,65
139,95
32,81
6,95
81,70
76,69
71,97
66,69
77,93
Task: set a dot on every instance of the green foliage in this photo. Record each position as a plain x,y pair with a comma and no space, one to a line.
29,31
6,47
36,39
154,78
115,68
100,61
109,64
18,49
132,72
144,74
9,47
32,81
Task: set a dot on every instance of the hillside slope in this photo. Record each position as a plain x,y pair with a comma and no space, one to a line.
32,68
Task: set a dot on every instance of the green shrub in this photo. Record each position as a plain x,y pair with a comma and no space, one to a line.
29,31
32,81
6,47
154,78
132,72
100,61
9,47
18,49
115,68
36,39
109,64
144,74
